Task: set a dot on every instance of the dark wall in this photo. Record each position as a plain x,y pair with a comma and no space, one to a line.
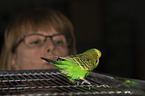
124,25
116,27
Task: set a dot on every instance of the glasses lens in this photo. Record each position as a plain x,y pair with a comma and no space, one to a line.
34,40
59,40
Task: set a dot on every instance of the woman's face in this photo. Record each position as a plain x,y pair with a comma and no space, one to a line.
27,55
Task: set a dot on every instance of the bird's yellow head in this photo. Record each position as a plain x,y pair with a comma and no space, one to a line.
98,53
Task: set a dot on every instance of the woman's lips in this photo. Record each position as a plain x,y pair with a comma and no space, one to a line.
50,65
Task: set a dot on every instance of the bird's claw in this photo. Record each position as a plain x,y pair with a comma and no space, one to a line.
77,83
85,81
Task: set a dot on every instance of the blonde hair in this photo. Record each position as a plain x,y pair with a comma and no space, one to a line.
34,20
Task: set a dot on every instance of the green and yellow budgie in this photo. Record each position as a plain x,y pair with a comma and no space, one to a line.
76,67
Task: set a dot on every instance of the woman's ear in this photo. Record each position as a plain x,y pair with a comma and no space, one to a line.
14,65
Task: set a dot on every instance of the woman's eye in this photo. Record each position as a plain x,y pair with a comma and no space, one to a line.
35,42
58,42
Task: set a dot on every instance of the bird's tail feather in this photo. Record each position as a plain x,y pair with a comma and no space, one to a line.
57,64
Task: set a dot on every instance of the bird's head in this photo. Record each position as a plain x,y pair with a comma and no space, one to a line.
98,53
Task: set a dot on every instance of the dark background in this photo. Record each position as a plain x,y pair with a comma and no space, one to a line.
116,27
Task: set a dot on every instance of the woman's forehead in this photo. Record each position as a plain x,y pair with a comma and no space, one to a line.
51,31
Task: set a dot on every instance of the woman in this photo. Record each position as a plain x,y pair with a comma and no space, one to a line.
39,32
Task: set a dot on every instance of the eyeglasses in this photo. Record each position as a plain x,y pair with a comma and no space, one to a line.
37,40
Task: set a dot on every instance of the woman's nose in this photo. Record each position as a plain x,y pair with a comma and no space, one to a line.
50,47
48,50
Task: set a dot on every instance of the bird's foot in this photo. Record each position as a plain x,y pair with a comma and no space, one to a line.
77,83
85,81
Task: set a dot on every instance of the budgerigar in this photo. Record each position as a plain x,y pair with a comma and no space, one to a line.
76,67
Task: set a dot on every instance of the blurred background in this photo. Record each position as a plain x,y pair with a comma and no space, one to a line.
115,27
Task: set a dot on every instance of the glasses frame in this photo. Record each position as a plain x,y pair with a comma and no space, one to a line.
23,39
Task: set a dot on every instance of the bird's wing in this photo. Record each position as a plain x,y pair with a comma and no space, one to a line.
83,61
71,70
